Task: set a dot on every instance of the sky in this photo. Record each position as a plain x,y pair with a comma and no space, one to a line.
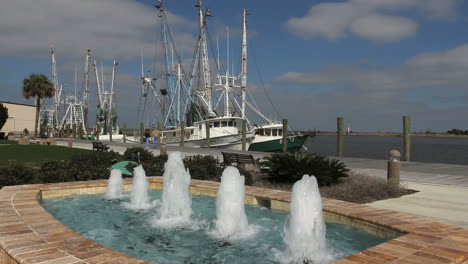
368,61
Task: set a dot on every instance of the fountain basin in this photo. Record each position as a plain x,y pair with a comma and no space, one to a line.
28,233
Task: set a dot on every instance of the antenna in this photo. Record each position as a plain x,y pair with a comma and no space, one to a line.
227,40
102,77
75,85
217,48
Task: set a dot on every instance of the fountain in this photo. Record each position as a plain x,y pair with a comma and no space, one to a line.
231,220
176,207
115,184
304,230
139,194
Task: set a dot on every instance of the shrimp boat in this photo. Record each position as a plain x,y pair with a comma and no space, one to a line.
269,138
194,101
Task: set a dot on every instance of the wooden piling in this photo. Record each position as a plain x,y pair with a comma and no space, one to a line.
406,137
182,133
80,131
142,133
74,130
339,134
109,131
285,135
124,131
98,131
207,130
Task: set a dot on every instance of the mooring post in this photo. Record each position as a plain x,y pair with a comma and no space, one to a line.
124,131
182,133
393,168
98,131
80,131
142,131
74,130
339,140
67,130
244,135
285,135
207,130
407,137
109,130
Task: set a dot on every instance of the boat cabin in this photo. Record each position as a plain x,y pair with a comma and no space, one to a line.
270,132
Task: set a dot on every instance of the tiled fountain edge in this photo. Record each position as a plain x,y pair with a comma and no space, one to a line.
29,234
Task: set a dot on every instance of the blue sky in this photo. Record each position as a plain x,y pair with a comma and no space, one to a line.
370,61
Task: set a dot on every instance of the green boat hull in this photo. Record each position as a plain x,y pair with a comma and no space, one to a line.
295,143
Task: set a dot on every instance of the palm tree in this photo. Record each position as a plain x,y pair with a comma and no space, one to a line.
37,86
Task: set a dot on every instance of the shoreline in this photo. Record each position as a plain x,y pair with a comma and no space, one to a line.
386,134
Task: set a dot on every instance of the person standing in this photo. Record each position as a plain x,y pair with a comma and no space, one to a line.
155,133
147,137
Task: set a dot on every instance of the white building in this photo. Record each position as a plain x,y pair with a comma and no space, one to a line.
20,116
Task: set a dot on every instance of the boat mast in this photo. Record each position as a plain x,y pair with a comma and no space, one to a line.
86,87
244,62
204,55
97,83
58,91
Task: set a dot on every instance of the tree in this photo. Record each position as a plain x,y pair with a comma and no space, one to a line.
37,86
3,115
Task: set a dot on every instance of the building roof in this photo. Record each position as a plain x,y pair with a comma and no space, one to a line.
6,102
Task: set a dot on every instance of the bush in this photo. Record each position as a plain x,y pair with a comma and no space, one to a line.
55,171
364,189
290,167
91,165
145,155
204,167
152,167
16,175
200,167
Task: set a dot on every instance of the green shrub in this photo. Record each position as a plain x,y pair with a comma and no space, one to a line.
204,167
16,175
200,167
55,171
247,175
91,165
145,155
152,167
290,167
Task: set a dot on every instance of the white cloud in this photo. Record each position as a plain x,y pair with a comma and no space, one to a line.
111,28
368,19
436,69
383,28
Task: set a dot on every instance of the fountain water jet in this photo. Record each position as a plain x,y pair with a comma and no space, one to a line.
231,220
304,230
176,207
139,194
115,184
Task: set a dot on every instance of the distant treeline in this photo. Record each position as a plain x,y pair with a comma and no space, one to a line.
456,131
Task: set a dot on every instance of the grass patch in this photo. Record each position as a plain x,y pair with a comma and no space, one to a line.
33,156
362,189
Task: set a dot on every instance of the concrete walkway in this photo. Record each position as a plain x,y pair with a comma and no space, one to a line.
443,188
447,204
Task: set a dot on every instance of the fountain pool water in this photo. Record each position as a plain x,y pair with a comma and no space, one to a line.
304,230
115,184
176,206
231,220
133,233
139,194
